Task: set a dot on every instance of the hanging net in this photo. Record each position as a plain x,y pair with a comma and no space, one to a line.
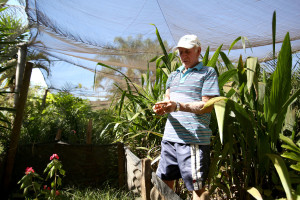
119,33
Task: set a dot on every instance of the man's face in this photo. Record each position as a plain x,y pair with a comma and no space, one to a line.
189,57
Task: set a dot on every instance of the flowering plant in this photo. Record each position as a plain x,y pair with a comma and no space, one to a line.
31,182
54,169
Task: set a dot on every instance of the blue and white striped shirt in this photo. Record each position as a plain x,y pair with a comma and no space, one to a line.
186,127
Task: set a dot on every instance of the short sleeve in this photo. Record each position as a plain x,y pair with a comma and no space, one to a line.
170,78
211,85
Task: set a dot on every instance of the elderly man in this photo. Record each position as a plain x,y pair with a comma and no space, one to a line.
185,148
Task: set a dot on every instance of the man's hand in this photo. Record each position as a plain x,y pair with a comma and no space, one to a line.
164,107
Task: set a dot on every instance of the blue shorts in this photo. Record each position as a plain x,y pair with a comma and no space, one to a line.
187,161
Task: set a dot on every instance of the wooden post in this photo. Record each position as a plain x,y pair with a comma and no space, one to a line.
44,99
15,134
89,132
58,135
22,52
121,164
146,179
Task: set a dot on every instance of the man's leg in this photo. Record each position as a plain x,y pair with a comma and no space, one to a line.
168,170
194,165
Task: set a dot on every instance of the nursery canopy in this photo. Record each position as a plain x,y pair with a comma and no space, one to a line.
84,32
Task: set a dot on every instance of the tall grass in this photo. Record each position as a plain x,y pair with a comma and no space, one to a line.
106,193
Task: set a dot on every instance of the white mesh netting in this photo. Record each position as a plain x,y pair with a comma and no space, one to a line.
85,32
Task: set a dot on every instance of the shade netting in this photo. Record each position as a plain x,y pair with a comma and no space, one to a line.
87,32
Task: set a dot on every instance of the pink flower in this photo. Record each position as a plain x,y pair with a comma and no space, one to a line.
29,170
57,193
74,132
54,156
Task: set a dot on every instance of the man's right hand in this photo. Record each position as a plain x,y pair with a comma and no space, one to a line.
164,107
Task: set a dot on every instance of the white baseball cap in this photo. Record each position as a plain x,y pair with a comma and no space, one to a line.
188,42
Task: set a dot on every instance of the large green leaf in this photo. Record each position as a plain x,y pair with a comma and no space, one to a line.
292,156
281,83
166,57
212,62
220,109
283,174
205,57
296,167
255,193
251,69
225,77
290,144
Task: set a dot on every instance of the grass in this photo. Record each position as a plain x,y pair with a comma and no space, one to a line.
105,193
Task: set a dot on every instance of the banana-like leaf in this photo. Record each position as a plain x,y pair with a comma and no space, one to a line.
296,167
255,193
225,77
290,144
220,109
283,174
166,57
205,58
291,155
281,83
243,43
251,69
212,62
212,101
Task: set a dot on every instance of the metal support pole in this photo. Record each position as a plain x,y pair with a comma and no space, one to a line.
22,53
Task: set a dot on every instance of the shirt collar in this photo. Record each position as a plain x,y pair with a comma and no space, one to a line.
197,67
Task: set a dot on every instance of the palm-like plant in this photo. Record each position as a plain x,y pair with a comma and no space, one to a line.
250,120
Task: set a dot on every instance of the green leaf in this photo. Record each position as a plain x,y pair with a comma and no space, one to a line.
255,193
296,167
251,69
290,144
62,172
205,58
233,43
243,43
212,101
291,155
281,83
59,181
220,109
166,57
154,133
121,102
212,62
226,76
283,174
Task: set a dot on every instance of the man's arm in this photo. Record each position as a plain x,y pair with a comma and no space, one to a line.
196,107
168,106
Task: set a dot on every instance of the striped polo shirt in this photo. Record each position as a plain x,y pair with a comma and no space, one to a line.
186,127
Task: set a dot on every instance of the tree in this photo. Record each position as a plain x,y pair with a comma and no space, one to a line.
136,52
